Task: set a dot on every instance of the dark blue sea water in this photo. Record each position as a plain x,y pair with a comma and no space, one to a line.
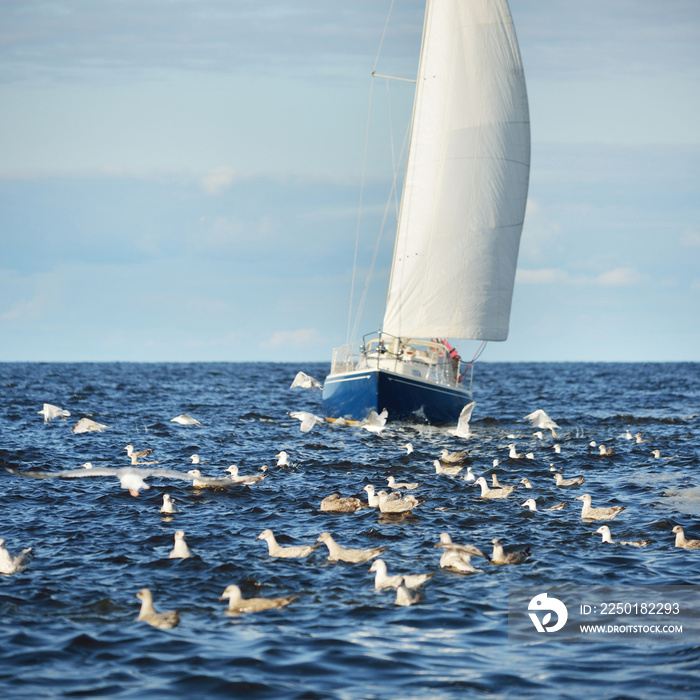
69,621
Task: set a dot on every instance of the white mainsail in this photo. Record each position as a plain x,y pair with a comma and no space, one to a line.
466,180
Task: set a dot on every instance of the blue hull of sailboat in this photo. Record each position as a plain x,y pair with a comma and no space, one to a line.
353,394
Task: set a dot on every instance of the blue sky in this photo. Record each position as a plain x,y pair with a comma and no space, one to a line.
179,180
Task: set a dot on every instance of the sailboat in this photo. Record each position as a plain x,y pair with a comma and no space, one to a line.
459,223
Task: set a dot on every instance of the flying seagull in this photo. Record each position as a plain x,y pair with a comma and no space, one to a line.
130,478
305,381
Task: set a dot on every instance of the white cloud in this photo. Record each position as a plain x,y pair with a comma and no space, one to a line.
547,275
691,238
618,277
540,232
25,308
219,179
295,339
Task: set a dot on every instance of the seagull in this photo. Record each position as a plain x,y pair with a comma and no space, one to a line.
657,455
561,481
87,425
185,419
557,448
589,513
393,484
525,482
495,482
195,459
452,457
168,506
166,620
383,580
282,459
638,438
462,429
408,447
682,542
628,436
308,420
606,451
130,478
372,498
13,565
512,453
305,381
486,492
244,479
237,604
604,530
276,550
335,504
404,596
469,476
352,556
180,550
447,543
457,557
539,419
451,471
201,482
376,422
389,504
539,435
532,505
500,557
49,411
134,454
457,561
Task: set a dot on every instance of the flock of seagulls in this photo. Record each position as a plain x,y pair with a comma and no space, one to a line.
393,502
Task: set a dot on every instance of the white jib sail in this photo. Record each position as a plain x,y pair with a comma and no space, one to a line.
466,181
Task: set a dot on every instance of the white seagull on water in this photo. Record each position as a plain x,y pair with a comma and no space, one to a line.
383,580
237,604
590,513
185,419
165,620
13,565
180,549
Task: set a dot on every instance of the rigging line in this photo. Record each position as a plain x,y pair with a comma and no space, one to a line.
394,163
359,211
392,77
477,355
362,182
370,272
381,41
397,206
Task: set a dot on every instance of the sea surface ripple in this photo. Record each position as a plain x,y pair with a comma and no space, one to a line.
69,621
